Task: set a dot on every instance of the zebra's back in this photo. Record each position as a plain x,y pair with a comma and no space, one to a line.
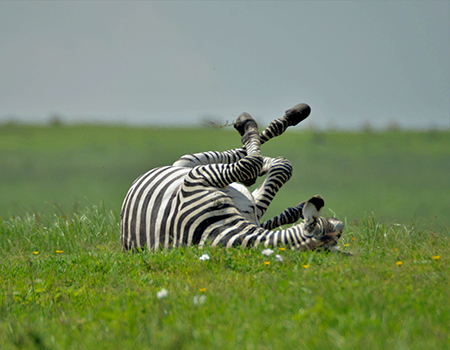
149,206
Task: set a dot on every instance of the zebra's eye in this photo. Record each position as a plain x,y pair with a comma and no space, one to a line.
336,224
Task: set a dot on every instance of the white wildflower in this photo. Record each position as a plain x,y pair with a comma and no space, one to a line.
279,258
162,293
204,257
199,299
267,252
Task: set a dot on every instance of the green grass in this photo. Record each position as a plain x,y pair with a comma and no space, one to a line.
65,283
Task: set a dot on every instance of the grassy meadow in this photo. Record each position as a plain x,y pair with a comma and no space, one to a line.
65,283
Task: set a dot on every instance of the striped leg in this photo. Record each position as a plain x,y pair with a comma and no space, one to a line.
279,169
244,170
289,216
248,129
212,157
279,172
292,117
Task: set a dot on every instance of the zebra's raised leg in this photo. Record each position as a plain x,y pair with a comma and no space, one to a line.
248,129
245,169
279,169
292,117
211,157
279,172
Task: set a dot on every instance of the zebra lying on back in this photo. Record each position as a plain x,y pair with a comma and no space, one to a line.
198,199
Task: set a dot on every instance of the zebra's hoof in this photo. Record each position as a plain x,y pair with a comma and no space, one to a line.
244,123
297,113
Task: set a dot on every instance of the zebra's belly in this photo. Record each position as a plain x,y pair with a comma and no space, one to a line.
242,200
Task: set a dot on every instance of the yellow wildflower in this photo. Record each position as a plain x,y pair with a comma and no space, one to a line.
282,248
266,262
399,263
436,257
346,245
353,238
35,253
305,266
395,249
202,290
59,251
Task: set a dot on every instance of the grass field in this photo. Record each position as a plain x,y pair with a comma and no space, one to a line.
65,284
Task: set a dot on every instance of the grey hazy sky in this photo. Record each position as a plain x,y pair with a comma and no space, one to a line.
380,62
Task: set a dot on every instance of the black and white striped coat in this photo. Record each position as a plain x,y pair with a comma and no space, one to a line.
200,199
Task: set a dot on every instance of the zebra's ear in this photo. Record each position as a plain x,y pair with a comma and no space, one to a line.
313,207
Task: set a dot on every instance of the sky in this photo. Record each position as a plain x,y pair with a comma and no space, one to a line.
356,63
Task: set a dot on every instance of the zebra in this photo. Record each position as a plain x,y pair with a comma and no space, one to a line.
203,199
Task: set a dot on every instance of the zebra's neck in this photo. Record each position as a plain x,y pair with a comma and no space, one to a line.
244,233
